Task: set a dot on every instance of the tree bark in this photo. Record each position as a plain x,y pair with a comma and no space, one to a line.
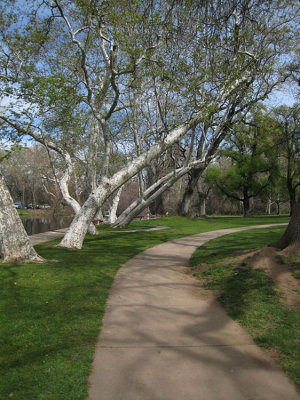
292,195
292,232
184,207
246,202
157,206
154,173
64,188
278,207
202,203
15,245
113,209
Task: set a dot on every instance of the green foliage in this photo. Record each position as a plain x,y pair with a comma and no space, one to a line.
292,262
191,52
253,162
288,144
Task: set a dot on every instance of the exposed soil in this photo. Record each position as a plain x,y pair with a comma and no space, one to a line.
268,259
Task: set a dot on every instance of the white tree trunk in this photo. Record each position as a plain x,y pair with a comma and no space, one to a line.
268,207
99,215
92,154
150,195
15,245
113,209
64,188
79,227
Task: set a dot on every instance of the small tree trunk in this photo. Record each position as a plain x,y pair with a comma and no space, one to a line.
246,207
15,245
292,204
278,207
99,216
202,203
246,202
127,215
185,208
157,206
185,205
292,233
268,208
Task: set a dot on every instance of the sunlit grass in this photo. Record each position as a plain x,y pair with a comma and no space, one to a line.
51,313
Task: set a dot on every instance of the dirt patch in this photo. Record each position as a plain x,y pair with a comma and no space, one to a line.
292,251
268,259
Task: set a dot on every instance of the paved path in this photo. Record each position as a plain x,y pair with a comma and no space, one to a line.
166,338
155,228
47,236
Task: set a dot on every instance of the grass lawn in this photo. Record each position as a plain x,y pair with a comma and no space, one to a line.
25,213
250,296
28,213
51,313
294,263
40,213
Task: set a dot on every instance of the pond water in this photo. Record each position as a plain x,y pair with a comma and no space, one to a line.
40,225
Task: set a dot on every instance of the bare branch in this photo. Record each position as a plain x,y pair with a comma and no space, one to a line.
81,48
22,131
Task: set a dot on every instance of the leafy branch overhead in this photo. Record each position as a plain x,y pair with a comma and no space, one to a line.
122,85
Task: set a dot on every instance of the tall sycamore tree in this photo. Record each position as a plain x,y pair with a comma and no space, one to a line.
218,59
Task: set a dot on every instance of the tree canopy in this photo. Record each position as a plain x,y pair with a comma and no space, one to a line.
100,78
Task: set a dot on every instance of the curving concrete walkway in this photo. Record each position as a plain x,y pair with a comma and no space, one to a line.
47,236
166,338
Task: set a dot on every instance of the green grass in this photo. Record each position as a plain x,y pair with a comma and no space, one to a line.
292,262
230,245
23,214
295,266
250,296
51,313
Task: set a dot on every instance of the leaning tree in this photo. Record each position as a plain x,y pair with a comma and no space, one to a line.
218,59
291,237
287,137
290,142
15,245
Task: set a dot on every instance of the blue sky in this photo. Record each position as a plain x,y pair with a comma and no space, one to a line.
287,95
